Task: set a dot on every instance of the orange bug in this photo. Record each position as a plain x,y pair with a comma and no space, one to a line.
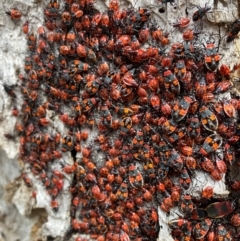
14,13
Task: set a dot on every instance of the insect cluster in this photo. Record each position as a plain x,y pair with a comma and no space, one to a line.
140,115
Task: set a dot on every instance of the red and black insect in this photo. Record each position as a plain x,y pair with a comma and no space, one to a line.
27,180
135,177
9,90
182,23
201,229
25,27
194,125
88,104
14,13
207,192
122,192
171,83
180,69
180,110
222,233
211,144
235,220
200,13
67,143
220,209
186,204
212,57
181,228
189,34
178,134
185,179
233,33
169,126
208,119
175,161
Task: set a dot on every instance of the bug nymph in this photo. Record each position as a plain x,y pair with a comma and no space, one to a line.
162,9
200,13
14,13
